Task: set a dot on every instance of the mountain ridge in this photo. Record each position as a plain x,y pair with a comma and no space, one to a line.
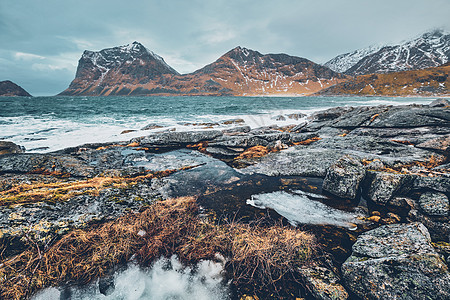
425,82
134,70
431,49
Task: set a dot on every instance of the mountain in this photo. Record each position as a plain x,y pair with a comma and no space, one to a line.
343,62
114,68
9,88
431,49
426,82
239,72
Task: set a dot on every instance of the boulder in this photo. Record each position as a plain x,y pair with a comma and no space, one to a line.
9,148
236,130
323,283
439,103
399,117
396,262
438,227
434,204
177,139
440,144
344,177
382,186
437,183
403,203
46,163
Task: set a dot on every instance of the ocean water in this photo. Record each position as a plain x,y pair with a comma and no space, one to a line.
44,124
167,279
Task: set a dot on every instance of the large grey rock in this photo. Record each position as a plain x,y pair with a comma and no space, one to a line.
438,227
44,221
437,183
36,163
440,144
296,161
434,204
396,262
344,177
250,140
176,139
439,103
413,116
360,116
9,148
323,284
380,187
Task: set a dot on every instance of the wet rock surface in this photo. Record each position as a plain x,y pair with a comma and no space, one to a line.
396,262
377,165
9,147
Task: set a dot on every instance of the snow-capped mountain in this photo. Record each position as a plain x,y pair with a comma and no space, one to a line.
431,49
98,71
134,70
343,62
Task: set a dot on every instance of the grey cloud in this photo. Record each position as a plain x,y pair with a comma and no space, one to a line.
190,34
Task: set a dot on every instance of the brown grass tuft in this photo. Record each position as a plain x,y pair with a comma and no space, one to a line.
258,256
253,152
308,141
64,190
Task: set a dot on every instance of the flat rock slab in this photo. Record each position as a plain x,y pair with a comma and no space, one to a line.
396,262
295,162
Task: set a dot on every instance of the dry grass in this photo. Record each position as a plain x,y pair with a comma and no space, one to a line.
258,256
308,141
253,152
64,190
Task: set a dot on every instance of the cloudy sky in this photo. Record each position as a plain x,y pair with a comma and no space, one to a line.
42,40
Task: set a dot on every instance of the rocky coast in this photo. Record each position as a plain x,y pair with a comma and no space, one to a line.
381,172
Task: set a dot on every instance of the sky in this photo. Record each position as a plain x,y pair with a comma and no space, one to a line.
42,40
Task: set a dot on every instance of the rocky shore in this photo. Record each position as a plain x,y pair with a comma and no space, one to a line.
388,165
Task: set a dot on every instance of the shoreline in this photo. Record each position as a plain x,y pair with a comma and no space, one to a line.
386,165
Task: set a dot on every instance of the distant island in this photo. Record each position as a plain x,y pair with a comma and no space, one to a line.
414,68
9,88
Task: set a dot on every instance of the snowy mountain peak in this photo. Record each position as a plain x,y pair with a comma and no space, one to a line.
430,49
115,57
343,62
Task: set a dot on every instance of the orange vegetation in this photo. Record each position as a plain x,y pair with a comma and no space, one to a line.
429,81
199,146
427,166
308,141
254,152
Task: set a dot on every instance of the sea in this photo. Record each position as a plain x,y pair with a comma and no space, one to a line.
45,124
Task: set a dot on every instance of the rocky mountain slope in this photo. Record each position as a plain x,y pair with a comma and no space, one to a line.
134,70
9,88
427,82
99,73
343,62
431,49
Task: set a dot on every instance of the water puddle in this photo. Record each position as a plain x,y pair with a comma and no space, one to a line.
300,209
